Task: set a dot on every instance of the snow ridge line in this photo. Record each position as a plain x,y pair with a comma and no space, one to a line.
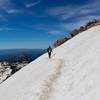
48,85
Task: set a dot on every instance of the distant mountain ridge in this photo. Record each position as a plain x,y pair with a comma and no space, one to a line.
14,55
12,60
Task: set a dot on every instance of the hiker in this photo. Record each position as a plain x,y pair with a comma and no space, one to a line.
49,50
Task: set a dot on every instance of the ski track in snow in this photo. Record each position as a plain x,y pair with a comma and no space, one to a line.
47,88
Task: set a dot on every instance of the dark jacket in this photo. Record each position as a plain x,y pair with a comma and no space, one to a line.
49,50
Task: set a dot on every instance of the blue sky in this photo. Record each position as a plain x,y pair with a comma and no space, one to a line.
38,23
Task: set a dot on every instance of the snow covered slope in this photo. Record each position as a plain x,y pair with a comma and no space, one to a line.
73,73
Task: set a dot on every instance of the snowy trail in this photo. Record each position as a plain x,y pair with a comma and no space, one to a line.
47,88
42,81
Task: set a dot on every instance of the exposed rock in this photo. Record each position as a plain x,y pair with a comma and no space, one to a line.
90,24
60,41
7,69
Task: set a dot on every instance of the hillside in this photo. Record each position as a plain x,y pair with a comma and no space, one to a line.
73,73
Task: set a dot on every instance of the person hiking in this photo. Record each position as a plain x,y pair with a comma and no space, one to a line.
49,50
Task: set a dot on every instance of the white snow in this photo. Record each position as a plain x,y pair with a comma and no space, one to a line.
73,73
6,71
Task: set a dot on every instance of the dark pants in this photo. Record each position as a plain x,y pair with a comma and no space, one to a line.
49,53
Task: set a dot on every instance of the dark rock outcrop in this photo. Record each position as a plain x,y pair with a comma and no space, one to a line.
90,24
60,41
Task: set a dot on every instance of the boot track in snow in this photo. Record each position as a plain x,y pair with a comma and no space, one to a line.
48,85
